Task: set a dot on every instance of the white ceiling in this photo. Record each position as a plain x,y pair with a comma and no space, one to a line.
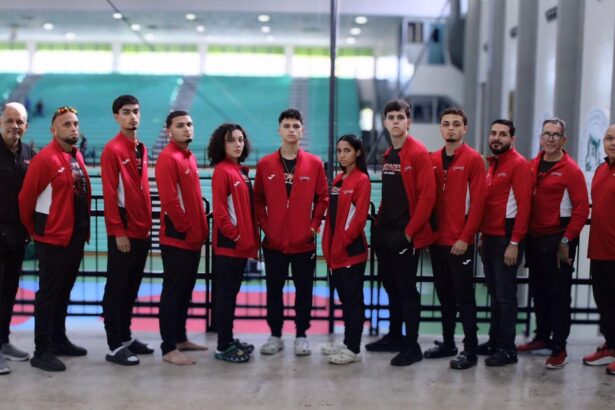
293,22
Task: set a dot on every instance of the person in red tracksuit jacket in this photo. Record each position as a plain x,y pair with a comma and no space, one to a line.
503,228
601,252
344,245
291,198
560,206
183,230
460,176
54,206
128,218
235,238
402,230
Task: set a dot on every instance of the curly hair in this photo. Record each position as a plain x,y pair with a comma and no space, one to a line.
216,149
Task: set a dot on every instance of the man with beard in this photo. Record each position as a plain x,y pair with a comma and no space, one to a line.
54,205
460,177
128,218
183,230
14,160
503,228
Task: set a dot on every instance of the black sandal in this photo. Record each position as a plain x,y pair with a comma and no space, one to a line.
246,347
233,354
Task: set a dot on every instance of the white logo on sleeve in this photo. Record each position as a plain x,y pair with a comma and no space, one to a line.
270,177
125,161
236,184
60,170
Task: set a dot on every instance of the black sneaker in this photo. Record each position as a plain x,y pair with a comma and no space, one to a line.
138,347
67,348
232,354
464,361
407,356
47,361
123,356
501,358
246,347
485,349
387,343
441,350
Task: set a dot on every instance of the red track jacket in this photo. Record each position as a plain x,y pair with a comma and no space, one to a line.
183,223
286,220
461,195
46,203
348,245
420,185
602,230
509,192
235,230
124,188
560,193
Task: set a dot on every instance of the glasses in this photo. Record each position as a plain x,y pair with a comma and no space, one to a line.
548,135
232,140
63,110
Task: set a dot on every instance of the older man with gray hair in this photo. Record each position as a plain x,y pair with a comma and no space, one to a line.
14,159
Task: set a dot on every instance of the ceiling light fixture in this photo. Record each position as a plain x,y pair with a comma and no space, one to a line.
117,16
351,40
70,36
48,26
263,18
265,29
355,31
200,28
190,16
135,27
360,20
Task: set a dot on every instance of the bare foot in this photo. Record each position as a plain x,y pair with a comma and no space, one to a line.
188,345
178,358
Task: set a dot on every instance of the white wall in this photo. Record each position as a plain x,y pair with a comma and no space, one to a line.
510,58
545,70
596,83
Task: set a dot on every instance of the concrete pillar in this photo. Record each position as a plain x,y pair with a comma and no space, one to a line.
526,75
495,66
568,68
471,62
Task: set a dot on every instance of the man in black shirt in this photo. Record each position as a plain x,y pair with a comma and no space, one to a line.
14,160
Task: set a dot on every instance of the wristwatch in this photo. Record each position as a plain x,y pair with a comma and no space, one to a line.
513,243
564,241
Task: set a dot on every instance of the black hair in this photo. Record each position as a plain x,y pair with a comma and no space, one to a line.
508,123
292,114
398,105
455,111
357,145
123,100
216,152
173,114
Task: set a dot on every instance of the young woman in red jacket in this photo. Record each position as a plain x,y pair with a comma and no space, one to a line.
235,237
345,247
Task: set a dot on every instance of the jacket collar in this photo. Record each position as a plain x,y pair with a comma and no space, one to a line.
512,152
174,146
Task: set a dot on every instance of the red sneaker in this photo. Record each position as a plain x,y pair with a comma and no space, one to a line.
557,360
602,356
611,369
531,346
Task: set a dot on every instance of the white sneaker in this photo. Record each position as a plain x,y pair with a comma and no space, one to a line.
272,345
302,347
345,356
331,348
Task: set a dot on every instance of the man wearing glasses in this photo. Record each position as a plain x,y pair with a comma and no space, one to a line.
54,206
14,159
560,206
128,218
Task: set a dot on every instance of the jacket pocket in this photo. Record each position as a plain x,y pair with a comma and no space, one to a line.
225,242
40,221
170,231
356,247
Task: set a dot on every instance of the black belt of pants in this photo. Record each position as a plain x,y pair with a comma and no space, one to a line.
124,274
179,277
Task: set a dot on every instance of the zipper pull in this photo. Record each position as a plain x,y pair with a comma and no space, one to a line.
287,203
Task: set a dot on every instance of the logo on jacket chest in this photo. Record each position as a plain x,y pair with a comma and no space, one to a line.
459,168
236,183
61,169
304,178
270,177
